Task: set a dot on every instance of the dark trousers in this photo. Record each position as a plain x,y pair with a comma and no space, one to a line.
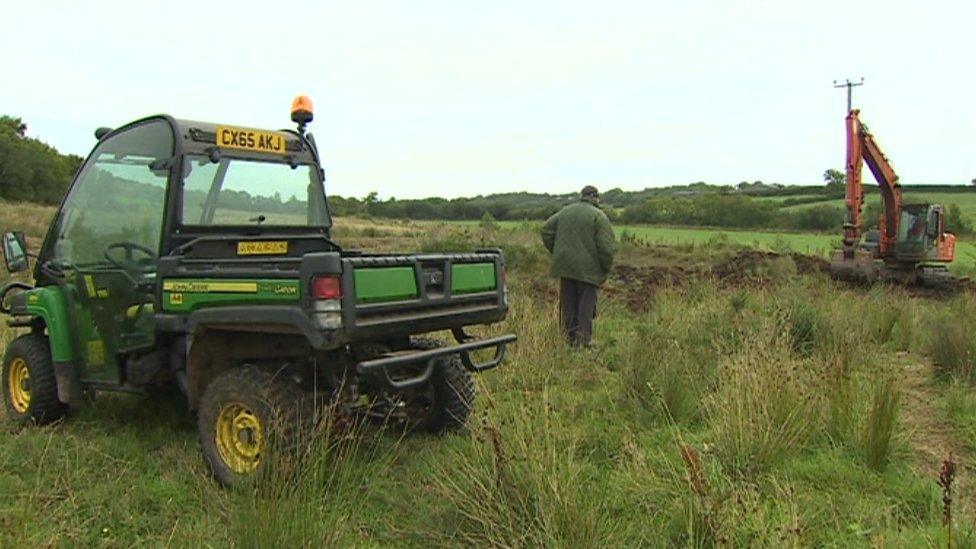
577,305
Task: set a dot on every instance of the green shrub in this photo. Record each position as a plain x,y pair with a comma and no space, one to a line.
488,222
526,259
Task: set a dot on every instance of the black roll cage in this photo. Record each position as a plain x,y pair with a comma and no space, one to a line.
173,232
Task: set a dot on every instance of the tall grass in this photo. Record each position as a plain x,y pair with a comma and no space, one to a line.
805,326
32,219
664,378
762,410
951,343
841,389
668,362
524,475
880,424
311,497
522,484
959,407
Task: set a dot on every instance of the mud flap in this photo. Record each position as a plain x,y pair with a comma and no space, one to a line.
69,383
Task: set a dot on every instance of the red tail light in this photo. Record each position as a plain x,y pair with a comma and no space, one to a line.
327,287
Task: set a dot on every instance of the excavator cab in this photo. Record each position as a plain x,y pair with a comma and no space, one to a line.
914,231
922,236
920,231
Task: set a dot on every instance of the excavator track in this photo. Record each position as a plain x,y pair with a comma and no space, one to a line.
934,276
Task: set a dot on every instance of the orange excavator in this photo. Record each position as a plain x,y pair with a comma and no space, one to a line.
910,246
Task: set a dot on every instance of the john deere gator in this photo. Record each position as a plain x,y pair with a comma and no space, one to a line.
199,256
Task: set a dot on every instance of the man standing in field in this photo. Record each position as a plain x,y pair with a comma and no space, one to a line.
580,239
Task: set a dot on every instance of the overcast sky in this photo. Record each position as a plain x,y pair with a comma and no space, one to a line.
458,98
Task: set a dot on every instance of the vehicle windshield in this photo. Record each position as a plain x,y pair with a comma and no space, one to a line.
238,192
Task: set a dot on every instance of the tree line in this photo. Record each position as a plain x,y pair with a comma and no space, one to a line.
31,169
34,171
706,209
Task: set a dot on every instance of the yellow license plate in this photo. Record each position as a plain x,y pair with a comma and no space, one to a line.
250,140
263,247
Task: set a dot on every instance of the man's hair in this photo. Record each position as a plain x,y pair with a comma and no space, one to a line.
590,191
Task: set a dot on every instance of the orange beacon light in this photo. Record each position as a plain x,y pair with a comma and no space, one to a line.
301,111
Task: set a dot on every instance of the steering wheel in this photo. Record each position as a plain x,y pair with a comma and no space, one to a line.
129,261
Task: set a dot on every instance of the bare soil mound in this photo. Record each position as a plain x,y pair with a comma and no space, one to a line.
637,284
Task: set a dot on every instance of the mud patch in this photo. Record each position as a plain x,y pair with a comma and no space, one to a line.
636,280
637,285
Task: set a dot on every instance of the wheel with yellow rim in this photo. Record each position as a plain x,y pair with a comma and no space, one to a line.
250,418
30,391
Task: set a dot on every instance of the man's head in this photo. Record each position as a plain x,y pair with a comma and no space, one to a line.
589,193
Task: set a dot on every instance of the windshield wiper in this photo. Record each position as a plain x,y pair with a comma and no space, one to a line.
259,219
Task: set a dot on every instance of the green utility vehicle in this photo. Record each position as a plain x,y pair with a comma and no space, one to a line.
198,256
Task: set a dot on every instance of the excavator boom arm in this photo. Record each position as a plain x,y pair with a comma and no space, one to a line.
863,149
887,179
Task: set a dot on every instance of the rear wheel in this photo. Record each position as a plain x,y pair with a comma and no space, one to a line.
248,418
445,401
30,391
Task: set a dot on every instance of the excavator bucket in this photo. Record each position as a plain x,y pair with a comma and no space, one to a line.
857,267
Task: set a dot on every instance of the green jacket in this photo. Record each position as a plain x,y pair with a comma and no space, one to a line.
580,239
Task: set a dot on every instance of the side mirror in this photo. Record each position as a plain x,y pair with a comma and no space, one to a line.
15,251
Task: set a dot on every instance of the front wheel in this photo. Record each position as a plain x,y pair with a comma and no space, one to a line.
30,391
248,417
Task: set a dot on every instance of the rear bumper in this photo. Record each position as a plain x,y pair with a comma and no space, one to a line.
295,320
379,368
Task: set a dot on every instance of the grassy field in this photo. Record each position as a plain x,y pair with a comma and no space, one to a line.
33,219
734,400
966,201
810,243
819,244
